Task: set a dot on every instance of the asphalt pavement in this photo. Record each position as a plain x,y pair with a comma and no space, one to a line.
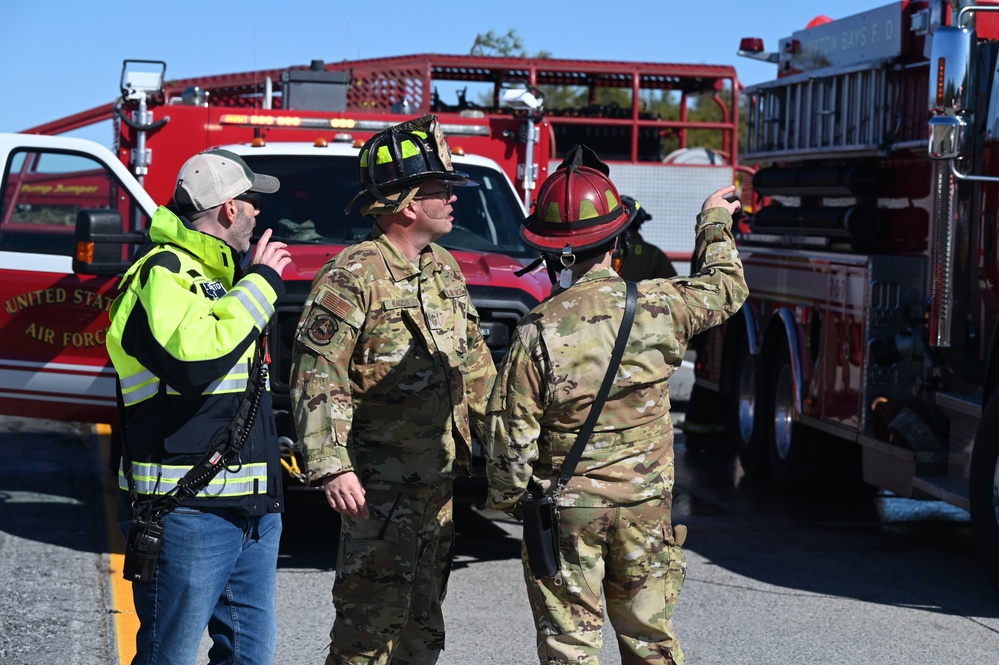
813,580
55,603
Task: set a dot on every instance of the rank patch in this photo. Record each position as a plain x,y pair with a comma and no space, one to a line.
322,329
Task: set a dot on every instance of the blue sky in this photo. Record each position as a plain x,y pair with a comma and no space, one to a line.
62,57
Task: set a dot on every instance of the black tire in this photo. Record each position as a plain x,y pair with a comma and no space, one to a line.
791,454
983,492
744,424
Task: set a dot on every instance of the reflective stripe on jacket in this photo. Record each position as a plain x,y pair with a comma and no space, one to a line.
151,478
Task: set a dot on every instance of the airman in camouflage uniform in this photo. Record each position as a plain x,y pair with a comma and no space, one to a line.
615,533
389,366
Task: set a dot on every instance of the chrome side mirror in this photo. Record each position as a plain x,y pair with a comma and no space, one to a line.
950,70
946,136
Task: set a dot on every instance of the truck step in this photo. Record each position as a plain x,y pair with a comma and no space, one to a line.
944,488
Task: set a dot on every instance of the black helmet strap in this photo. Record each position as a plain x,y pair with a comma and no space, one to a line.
530,266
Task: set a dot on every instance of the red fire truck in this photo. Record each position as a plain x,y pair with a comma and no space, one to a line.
304,125
869,342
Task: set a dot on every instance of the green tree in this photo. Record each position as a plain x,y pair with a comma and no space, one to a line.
506,45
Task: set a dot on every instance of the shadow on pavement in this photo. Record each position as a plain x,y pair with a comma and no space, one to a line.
879,549
48,485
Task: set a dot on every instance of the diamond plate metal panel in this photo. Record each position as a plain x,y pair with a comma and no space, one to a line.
673,196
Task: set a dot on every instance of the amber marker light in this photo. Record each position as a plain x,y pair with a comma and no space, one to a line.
941,69
85,252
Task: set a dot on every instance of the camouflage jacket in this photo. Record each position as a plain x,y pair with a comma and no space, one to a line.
549,379
388,366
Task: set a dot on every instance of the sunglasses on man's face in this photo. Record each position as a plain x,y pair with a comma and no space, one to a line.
249,198
444,194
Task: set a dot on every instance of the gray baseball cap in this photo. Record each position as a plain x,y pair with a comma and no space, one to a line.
213,177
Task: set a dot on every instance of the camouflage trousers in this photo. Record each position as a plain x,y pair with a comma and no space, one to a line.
392,573
629,554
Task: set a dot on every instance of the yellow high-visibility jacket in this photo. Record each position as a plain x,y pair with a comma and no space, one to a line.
183,337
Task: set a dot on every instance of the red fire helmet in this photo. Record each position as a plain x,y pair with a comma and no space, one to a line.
577,206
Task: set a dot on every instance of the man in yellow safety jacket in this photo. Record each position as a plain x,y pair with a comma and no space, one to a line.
185,340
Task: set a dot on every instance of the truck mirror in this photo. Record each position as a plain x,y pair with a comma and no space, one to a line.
946,137
950,70
99,241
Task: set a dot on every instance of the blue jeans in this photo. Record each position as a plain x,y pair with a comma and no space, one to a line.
216,569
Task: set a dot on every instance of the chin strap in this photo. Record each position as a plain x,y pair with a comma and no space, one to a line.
531,266
534,264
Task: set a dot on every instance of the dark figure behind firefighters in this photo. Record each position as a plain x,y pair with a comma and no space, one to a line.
639,258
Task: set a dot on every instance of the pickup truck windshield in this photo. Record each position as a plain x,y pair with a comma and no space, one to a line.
314,190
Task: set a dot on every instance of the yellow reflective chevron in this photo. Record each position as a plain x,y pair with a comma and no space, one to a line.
408,148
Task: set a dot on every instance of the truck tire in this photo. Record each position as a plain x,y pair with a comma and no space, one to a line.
983,491
744,422
790,454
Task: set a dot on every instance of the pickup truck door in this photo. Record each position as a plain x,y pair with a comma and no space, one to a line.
53,362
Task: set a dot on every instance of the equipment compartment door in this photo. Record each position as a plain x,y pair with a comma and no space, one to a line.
53,362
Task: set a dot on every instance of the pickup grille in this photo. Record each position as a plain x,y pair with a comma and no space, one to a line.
499,311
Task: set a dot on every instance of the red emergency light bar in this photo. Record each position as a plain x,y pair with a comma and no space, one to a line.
298,122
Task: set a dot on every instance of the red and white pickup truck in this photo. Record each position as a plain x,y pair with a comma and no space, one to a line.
71,214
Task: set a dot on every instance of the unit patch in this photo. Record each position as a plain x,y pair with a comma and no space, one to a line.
213,290
322,329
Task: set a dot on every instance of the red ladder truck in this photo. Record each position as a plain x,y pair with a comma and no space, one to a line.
868,349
